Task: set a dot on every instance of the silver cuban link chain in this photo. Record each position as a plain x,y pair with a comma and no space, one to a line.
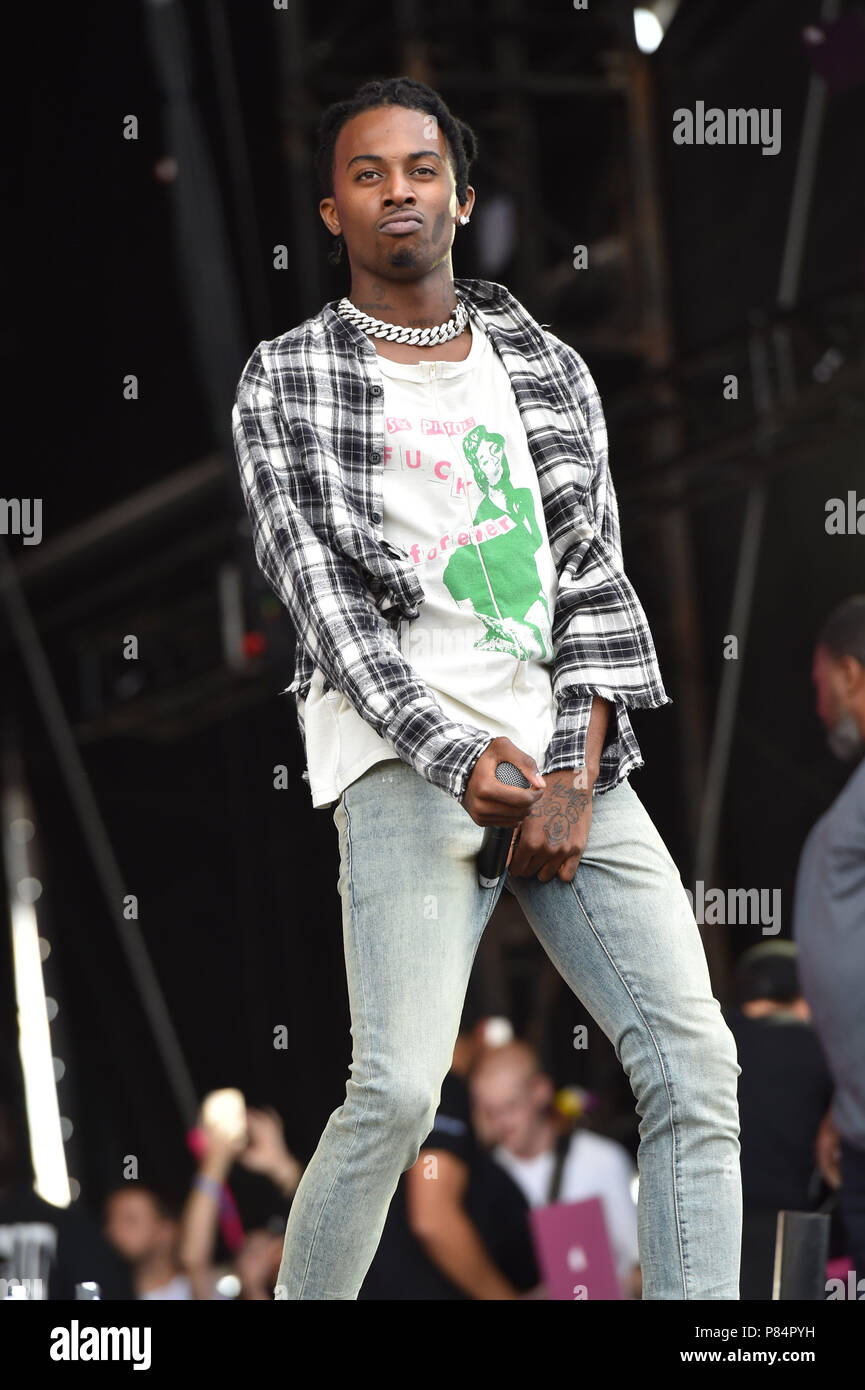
394,333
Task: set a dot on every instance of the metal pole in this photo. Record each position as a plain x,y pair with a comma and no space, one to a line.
303,201
674,527
788,289
206,273
248,231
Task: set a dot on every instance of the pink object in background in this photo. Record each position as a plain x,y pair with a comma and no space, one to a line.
573,1251
837,50
229,1217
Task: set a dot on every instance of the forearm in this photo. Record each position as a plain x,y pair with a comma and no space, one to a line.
582,723
598,725
200,1219
457,1249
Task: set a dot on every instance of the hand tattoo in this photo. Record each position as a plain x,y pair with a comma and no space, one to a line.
560,807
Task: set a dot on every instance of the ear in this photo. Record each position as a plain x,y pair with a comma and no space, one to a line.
329,215
852,674
465,209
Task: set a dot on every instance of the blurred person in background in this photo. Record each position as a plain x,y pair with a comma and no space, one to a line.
784,1091
457,1227
513,1098
142,1225
829,915
256,1263
258,1144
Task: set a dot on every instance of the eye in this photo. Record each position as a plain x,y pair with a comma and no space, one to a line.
421,169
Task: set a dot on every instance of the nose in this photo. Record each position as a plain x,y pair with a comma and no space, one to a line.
398,191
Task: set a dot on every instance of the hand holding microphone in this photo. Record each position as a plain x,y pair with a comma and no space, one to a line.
493,855
504,786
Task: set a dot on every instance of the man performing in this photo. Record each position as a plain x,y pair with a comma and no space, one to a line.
413,682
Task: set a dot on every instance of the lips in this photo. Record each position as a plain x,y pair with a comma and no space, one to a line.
400,224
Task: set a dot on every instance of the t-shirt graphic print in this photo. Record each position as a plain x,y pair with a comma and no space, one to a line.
497,573
461,499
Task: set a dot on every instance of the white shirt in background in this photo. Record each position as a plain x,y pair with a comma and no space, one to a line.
594,1167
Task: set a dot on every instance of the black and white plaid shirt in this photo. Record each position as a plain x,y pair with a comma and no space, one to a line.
309,436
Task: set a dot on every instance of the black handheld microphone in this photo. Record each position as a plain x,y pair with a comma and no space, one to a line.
493,853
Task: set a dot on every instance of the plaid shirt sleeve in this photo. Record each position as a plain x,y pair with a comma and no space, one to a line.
601,637
338,623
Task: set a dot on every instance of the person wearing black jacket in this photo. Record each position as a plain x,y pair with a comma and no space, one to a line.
458,1225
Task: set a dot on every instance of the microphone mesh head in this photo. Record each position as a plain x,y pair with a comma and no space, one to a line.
511,776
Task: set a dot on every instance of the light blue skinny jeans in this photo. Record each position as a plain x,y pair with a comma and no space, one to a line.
622,935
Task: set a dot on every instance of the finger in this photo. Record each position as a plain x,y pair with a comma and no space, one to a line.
501,815
527,861
518,856
529,768
497,795
550,870
509,752
568,870
500,820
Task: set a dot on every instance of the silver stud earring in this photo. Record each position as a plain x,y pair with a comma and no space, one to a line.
464,220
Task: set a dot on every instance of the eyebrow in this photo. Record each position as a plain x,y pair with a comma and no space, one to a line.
379,159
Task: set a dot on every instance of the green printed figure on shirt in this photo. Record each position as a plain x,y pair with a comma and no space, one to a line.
499,576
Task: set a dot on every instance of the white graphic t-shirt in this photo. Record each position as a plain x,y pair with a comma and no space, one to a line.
461,498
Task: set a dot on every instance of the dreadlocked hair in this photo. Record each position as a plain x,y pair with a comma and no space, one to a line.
394,91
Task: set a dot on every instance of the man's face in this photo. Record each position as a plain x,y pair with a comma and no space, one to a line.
833,708
258,1259
510,1105
133,1225
385,161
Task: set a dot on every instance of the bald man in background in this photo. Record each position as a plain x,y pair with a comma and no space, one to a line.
512,1098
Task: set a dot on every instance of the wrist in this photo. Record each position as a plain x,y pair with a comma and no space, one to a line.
215,1167
203,1182
586,776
